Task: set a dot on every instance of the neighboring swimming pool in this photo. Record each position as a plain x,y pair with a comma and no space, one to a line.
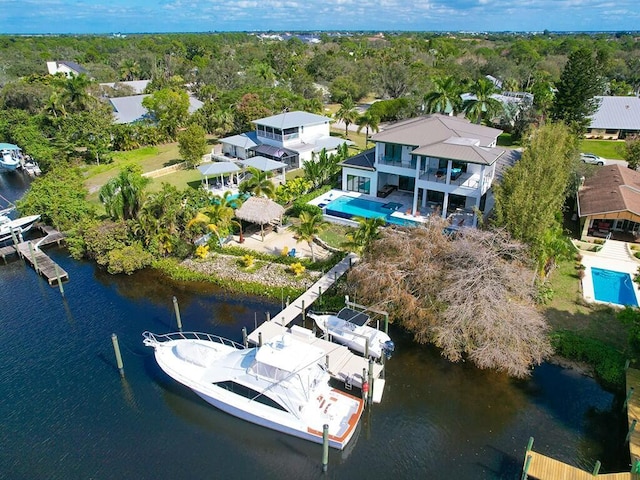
614,287
349,207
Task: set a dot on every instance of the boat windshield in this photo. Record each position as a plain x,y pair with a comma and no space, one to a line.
353,316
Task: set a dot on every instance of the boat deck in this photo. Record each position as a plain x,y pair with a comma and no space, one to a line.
344,365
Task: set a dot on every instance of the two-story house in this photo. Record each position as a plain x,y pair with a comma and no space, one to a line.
290,137
442,164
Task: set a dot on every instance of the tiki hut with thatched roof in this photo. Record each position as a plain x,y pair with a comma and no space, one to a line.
260,210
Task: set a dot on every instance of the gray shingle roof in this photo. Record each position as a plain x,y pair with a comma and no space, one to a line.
364,160
620,113
292,119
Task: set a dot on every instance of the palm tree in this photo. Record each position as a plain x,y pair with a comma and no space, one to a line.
368,230
75,92
218,217
129,69
122,195
258,184
445,96
311,224
368,121
222,122
347,113
482,102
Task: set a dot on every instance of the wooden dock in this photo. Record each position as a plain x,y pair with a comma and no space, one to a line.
542,467
40,261
288,315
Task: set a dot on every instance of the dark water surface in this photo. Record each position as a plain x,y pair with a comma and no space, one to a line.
65,412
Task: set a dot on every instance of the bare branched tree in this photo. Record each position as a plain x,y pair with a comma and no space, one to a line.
470,294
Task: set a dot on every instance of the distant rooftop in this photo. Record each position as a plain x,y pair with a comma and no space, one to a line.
621,113
292,119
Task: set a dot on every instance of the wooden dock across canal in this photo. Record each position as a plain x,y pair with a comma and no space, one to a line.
541,467
40,261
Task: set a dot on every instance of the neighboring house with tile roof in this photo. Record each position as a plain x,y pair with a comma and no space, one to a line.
609,202
130,109
67,68
443,163
616,118
290,137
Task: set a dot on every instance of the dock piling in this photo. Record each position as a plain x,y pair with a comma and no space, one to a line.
325,447
176,308
525,469
596,468
631,429
116,349
33,258
259,339
626,400
268,315
55,265
245,342
304,314
370,380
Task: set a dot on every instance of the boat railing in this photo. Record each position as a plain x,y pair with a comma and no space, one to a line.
151,339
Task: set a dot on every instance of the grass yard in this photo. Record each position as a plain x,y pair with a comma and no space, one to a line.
603,148
568,310
334,235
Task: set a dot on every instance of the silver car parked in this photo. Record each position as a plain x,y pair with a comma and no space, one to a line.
592,158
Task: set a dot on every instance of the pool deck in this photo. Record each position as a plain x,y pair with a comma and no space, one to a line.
615,256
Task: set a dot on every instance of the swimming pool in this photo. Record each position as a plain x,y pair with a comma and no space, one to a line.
614,287
349,207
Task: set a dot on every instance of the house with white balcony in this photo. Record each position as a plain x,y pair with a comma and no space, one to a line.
441,165
291,138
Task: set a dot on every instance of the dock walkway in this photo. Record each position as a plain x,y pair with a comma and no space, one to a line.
40,261
288,315
542,467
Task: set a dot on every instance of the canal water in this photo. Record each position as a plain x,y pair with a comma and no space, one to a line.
66,413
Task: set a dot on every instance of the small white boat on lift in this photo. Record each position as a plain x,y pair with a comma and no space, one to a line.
351,328
18,226
9,160
281,385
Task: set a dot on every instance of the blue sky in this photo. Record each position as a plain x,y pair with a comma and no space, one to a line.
130,16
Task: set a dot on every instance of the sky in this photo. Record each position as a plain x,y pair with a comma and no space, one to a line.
138,16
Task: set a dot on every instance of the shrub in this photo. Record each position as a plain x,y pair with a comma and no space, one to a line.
607,361
637,255
301,204
581,274
202,251
247,261
579,257
128,259
297,268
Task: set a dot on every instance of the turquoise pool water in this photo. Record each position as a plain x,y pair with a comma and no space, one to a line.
349,207
614,287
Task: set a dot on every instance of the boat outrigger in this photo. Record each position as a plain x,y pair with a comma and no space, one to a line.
351,328
282,385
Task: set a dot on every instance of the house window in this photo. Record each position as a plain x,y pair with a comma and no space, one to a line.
392,152
358,184
408,184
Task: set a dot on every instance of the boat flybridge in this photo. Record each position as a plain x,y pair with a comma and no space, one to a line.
282,385
351,328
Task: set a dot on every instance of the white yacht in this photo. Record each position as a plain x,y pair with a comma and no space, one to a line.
351,328
19,225
9,160
281,385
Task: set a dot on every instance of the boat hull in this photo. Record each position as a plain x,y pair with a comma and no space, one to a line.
19,225
306,424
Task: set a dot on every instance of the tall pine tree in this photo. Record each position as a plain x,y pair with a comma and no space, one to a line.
579,83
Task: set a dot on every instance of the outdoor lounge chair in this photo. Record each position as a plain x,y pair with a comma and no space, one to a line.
292,252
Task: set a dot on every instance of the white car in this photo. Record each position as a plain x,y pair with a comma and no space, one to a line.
592,158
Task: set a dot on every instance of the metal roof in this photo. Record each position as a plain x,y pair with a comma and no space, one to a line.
217,168
263,163
272,151
620,113
330,143
129,109
292,119
244,140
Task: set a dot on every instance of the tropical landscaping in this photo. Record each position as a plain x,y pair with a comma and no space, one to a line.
511,282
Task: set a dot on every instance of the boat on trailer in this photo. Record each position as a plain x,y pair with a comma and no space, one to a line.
351,328
282,385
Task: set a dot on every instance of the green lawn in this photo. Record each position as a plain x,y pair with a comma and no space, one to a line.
568,310
603,148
